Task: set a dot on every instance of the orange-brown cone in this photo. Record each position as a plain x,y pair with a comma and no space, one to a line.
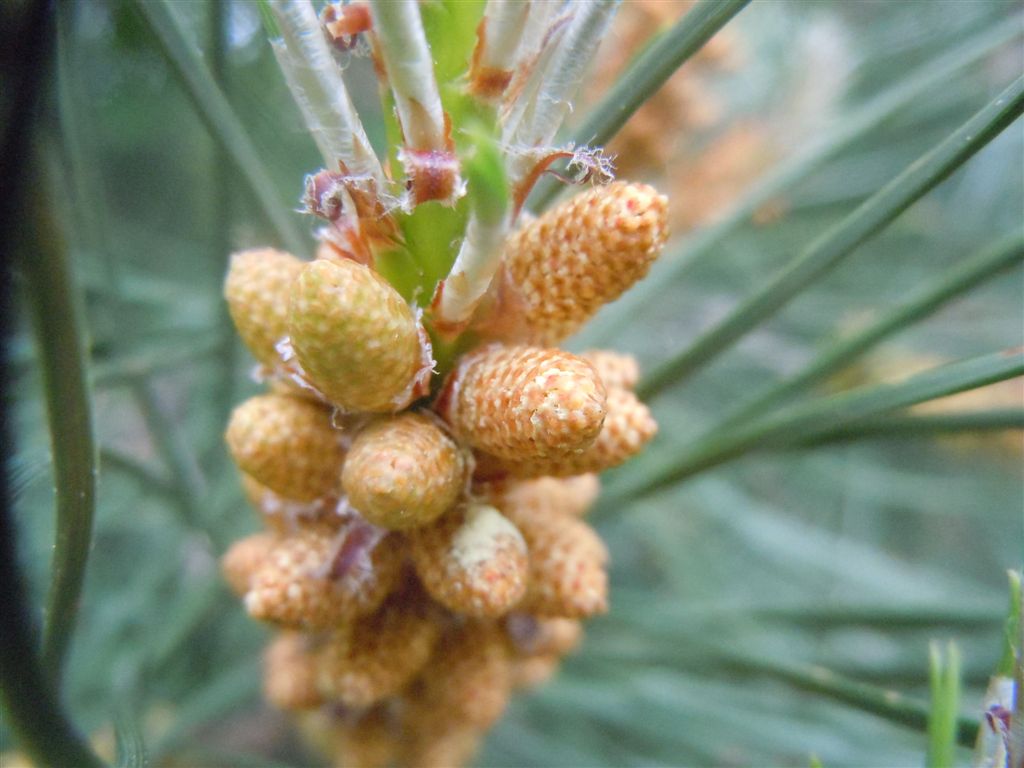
403,472
320,578
472,560
580,255
571,496
524,403
257,290
287,444
469,675
244,558
284,516
628,427
381,653
617,370
289,673
567,566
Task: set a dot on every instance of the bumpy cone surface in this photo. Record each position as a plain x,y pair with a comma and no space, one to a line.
287,444
289,673
523,403
571,496
319,577
380,653
283,515
472,560
432,739
470,675
538,645
364,740
567,566
355,337
580,255
627,428
617,370
403,472
257,289
244,558
533,671
539,635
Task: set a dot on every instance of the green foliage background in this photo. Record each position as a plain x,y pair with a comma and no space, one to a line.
726,588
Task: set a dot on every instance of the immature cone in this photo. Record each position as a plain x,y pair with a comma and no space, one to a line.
287,444
567,566
432,739
524,403
244,558
364,740
472,560
283,515
318,577
380,653
403,472
469,675
289,673
567,264
257,289
627,428
571,496
533,671
617,370
356,339
538,645
542,636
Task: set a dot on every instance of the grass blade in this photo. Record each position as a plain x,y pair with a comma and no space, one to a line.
825,253
220,119
889,704
962,278
220,237
812,420
1012,627
942,719
644,77
672,267
910,426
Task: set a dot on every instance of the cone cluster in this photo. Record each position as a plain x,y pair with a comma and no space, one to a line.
424,550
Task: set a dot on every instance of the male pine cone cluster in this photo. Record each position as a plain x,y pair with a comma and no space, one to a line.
425,554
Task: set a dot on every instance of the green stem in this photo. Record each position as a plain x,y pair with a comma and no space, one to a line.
673,267
60,338
223,124
812,420
650,71
962,278
29,682
944,676
829,250
30,703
